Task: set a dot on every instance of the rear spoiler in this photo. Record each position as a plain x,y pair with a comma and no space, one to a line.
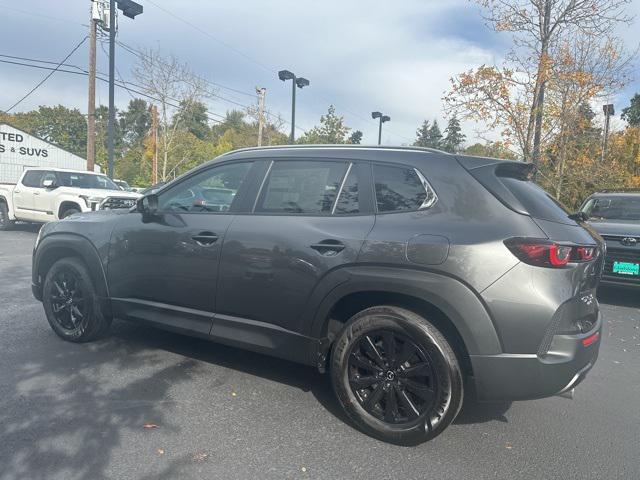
488,172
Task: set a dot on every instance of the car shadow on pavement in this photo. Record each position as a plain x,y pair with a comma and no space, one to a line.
64,407
623,297
305,378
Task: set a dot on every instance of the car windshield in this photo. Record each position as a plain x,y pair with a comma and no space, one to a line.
86,180
626,208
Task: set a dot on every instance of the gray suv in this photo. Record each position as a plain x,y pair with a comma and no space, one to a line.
411,275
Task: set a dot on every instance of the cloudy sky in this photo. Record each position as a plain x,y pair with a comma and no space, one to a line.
360,55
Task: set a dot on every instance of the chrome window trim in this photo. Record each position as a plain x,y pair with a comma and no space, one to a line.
344,180
264,180
432,197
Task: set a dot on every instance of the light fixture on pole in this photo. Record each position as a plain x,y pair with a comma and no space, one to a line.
129,9
299,82
383,119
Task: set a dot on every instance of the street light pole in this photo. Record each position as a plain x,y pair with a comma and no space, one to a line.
293,110
383,119
299,82
129,9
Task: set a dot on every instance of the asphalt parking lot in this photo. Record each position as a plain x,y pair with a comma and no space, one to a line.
147,404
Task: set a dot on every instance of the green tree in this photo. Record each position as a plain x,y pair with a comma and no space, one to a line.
632,113
435,136
194,119
331,130
355,137
422,135
135,122
454,138
59,125
490,149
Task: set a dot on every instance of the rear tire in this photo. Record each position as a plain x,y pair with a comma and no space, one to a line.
68,212
71,303
396,376
5,223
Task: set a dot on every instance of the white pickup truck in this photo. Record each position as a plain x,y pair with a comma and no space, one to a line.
46,194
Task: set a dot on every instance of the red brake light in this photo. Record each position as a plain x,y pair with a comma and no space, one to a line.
545,253
585,253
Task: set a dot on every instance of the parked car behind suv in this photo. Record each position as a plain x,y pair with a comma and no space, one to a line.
46,194
409,274
616,216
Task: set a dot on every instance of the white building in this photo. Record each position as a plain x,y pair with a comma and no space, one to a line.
19,150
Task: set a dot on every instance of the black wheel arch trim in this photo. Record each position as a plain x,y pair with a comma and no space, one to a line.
464,308
83,249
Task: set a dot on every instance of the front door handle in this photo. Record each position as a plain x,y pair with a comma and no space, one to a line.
205,239
329,247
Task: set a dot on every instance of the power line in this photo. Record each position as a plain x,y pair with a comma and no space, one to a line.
204,32
262,65
106,80
48,17
47,76
140,54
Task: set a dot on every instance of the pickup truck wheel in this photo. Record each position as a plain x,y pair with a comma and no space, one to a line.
68,212
396,376
5,223
71,304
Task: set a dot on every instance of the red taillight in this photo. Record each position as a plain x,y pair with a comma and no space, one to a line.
545,253
585,253
591,339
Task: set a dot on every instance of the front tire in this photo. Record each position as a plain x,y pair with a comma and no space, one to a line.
396,376
68,212
71,303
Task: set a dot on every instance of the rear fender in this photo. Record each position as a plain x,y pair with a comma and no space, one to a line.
457,301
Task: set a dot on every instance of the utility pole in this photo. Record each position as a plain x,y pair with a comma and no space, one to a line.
91,110
112,68
262,92
608,113
154,136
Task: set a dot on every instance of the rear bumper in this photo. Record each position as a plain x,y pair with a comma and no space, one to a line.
528,376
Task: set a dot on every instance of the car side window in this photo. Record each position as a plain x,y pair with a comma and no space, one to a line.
32,178
303,187
400,188
210,191
48,176
349,201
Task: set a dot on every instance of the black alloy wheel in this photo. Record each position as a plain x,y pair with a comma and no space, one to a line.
68,301
396,375
392,377
71,303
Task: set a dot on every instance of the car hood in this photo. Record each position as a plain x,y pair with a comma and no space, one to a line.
618,228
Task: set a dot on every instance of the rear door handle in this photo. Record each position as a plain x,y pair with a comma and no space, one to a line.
328,247
205,239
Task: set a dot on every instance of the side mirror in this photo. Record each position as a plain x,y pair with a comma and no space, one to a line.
147,205
49,183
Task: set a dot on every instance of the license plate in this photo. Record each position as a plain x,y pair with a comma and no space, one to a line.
626,268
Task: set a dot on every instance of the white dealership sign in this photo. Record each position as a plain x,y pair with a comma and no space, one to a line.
19,150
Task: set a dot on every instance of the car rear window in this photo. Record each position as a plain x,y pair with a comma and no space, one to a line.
399,189
536,200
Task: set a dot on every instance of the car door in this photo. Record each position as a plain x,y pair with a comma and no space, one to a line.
24,195
309,218
44,198
163,267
